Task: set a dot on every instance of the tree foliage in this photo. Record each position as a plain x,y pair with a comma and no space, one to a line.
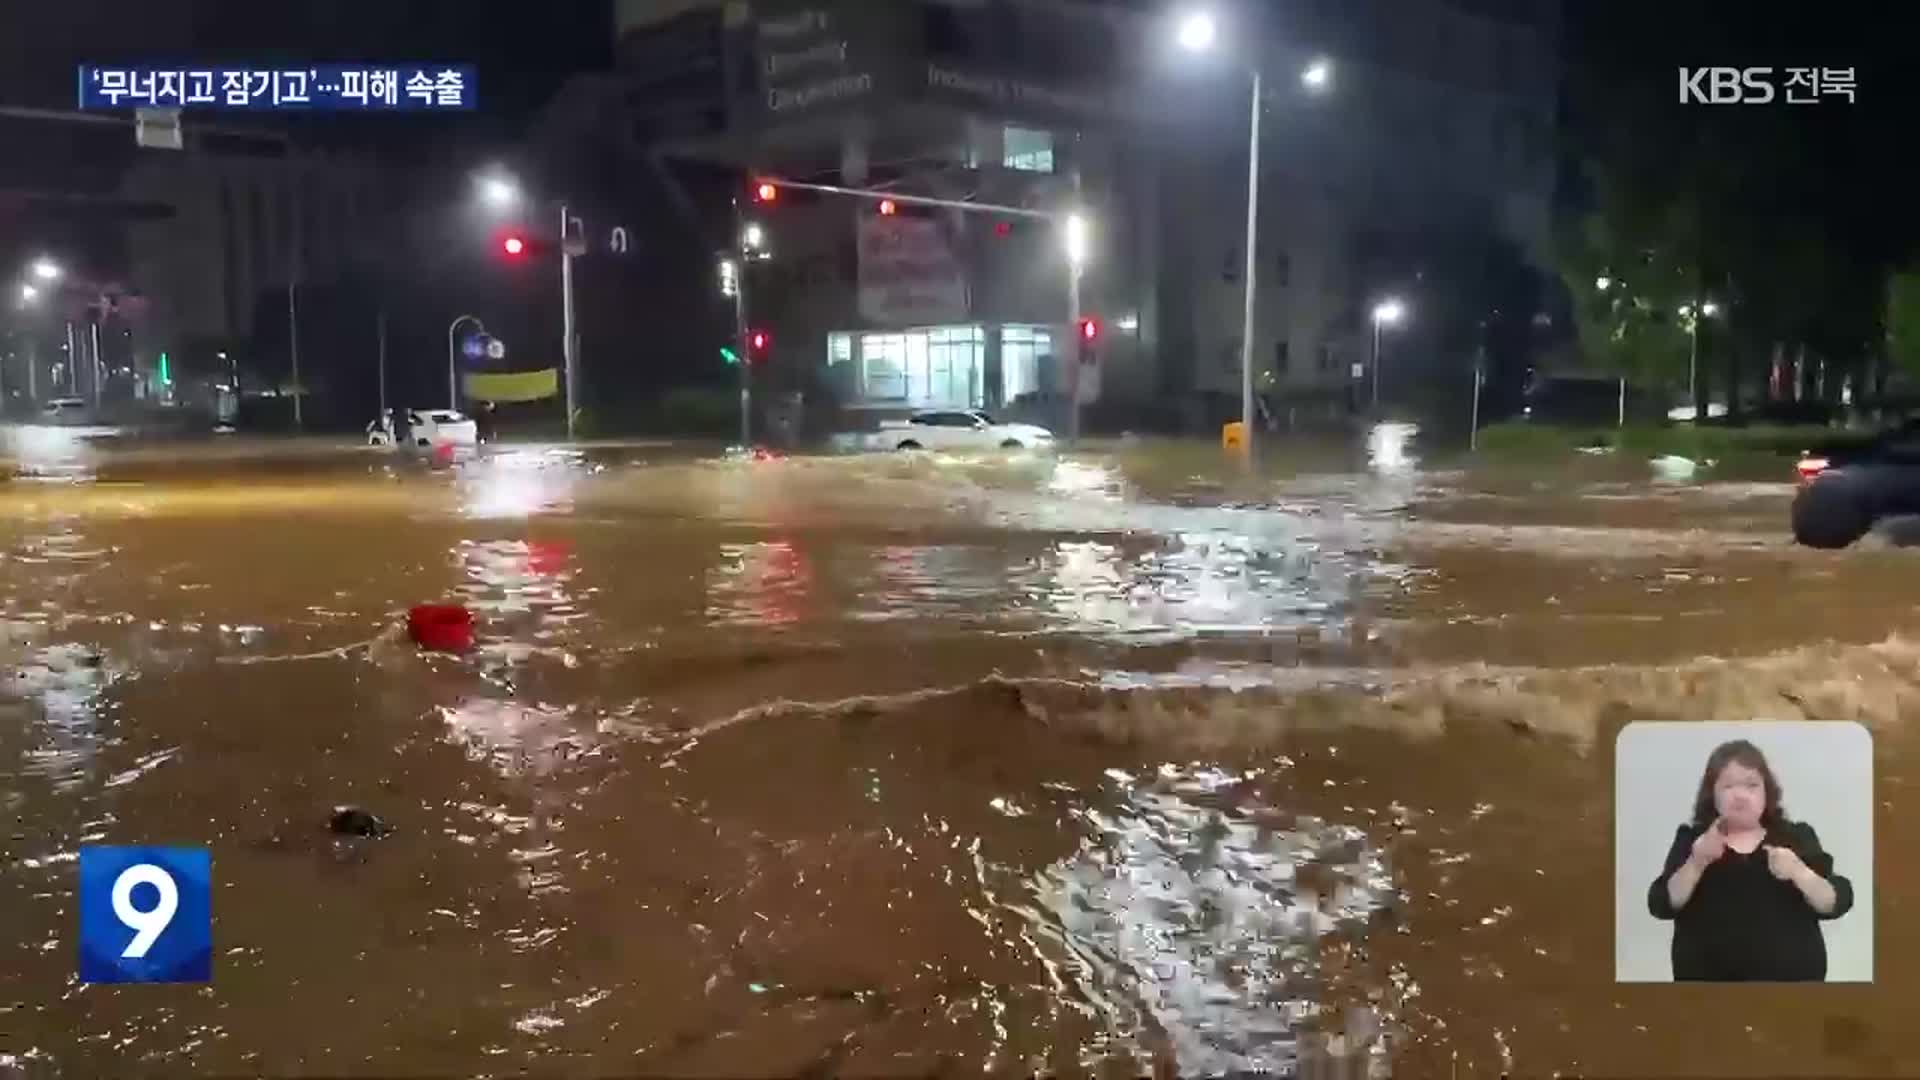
1628,278
1903,320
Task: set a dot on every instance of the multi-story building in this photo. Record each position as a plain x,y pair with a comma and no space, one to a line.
1439,118
256,220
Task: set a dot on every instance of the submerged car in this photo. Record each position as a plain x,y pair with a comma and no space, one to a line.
66,412
968,429
427,428
1846,489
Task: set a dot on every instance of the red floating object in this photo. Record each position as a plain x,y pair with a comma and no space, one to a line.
440,627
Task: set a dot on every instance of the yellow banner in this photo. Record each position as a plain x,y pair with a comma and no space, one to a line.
513,385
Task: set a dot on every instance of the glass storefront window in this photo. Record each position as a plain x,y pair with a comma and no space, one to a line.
883,367
1028,150
938,367
1026,355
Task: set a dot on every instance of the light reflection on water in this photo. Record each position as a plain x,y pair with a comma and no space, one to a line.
518,482
765,583
1200,917
63,686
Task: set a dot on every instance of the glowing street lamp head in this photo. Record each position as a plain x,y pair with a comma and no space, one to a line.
1317,76
498,191
1603,283
28,293
1709,309
1389,312
46,269
1197,32
1076,239
753,236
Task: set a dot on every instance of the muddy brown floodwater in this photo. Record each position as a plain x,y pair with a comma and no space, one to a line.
906,765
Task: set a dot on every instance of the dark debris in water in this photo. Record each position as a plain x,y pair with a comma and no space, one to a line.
353,821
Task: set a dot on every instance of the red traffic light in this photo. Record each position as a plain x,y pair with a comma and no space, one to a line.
1089,329
888,207
758,341
513,245
765,192
1003,228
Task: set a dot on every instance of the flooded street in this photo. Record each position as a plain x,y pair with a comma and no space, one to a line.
906,764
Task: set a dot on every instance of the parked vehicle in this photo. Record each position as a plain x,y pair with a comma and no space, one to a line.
968,429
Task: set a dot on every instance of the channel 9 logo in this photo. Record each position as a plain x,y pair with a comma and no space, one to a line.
146,914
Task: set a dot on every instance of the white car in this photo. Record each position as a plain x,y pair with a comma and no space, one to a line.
968,429
66,411
428,428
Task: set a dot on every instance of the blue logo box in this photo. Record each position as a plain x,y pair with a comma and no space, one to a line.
146,914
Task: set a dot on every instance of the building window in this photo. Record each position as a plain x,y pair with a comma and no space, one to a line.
1026,356
1329,359
883,367
1282,271
935,367
1028,150
839,348
1280,357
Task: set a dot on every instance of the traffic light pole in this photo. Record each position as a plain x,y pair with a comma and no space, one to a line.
740,334
1076,356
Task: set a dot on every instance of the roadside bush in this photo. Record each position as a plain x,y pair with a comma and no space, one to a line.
1538,441
695,410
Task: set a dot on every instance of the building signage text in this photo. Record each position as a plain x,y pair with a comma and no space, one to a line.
804,61
1014,91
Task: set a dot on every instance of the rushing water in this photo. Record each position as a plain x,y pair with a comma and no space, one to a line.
901,764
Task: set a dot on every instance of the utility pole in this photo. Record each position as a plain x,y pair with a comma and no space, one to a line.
382,323
1253,262
93,332
570,344
293,311
743,257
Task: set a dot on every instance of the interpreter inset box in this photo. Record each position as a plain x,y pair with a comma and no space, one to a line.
1743,852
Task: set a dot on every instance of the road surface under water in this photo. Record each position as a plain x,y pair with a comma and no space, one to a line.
905,764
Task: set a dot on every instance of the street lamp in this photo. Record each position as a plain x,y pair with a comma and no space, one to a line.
1317,76
1603,283
1692,314
1387,312
1197,33
453,377
500,191
28,294
1073,238
752,237
46,269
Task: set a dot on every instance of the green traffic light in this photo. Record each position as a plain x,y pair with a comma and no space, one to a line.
729,355
166,376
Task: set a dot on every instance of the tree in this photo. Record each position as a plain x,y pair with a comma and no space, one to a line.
1903,321
1628,279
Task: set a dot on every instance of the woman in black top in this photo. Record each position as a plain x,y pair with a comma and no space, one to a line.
1745,887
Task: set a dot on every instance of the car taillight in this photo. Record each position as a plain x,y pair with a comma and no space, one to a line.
1810,467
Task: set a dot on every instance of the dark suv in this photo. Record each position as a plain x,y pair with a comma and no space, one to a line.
1846,488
